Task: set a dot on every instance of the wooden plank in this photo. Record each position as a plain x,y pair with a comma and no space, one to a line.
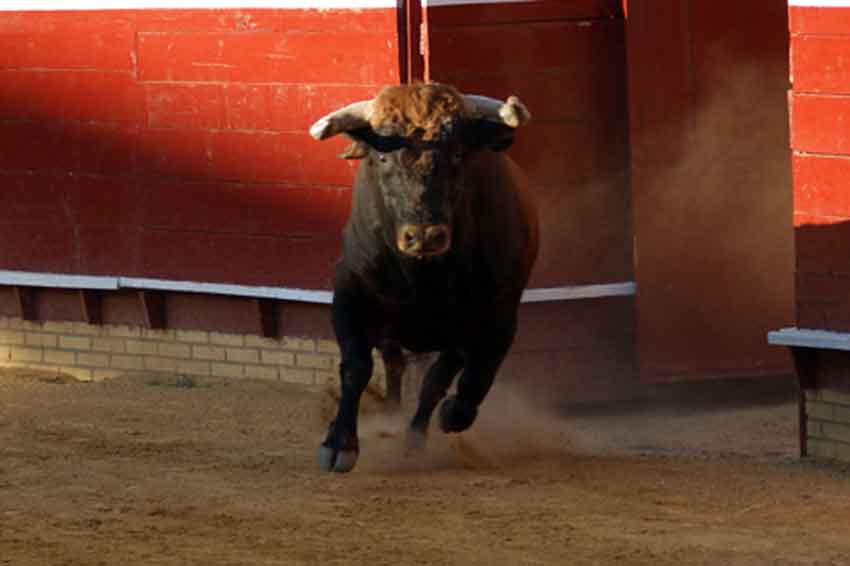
25,300
522,12
819,20
820,185
91,304
268,312
820,64
153,306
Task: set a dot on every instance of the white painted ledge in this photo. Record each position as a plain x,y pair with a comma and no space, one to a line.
808,338
321,296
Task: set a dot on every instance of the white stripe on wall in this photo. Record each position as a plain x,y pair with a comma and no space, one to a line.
63,5
808,338
820,3
106,283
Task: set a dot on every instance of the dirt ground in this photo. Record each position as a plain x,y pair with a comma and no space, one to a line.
161,470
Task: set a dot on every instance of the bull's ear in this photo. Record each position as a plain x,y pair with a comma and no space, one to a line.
483,134
355,150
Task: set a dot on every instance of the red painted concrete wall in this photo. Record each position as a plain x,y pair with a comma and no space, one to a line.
820,138
173,144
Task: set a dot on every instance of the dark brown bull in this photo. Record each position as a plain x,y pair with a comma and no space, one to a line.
436,253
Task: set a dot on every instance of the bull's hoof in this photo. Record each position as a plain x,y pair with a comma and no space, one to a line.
456,416
332,460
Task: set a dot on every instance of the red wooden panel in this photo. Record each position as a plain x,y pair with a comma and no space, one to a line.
37,199
237,258
38,247
710,177
245,157
67,40
296,57
106,148
822,244
819,20
267,209
534,47
287,107
195,106
43,146
246,20
820,185
110,250
71,95
820,63
514,12
820,124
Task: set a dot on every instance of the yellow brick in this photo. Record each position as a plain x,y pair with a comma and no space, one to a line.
841,414
161,364
327,378
20,324
314,361
121,331
842,452
818,410
86,329
158,334
58,327
193,336
25,354
15,337
116,345
242,355
836,431
261,342
278,358
193,367
141,347
261,372
821,448
835,397
42,340
59,357
126,362
75,343
327,346
298,344
170,350
302,376
93,360
227,370
208,353
4,322
227,339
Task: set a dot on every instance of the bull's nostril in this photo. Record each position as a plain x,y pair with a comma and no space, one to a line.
436,238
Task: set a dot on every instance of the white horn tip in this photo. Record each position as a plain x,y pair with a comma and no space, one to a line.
514,113
319,130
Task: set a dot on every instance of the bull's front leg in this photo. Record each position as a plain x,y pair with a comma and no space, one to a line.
341,448
458,412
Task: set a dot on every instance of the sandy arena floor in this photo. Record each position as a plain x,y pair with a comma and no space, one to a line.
157,470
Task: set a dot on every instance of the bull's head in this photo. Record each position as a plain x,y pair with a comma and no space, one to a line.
414,139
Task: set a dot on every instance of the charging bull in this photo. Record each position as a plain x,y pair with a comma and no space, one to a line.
436,253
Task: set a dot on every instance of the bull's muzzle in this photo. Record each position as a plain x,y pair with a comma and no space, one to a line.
423,240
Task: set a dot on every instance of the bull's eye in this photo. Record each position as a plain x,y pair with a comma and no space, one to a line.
382,157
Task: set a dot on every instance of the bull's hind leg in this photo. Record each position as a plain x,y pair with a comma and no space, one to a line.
434,386
340,449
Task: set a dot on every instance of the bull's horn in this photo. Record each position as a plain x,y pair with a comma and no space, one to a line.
345,119
512,112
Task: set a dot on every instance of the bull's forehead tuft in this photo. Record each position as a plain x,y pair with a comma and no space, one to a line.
421,110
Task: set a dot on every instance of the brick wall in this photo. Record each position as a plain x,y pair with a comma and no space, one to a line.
91,352
828,426
820,139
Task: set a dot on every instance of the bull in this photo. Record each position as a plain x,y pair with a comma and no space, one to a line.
437,250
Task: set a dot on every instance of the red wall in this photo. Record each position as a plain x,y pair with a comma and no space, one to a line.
820,138
172,144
